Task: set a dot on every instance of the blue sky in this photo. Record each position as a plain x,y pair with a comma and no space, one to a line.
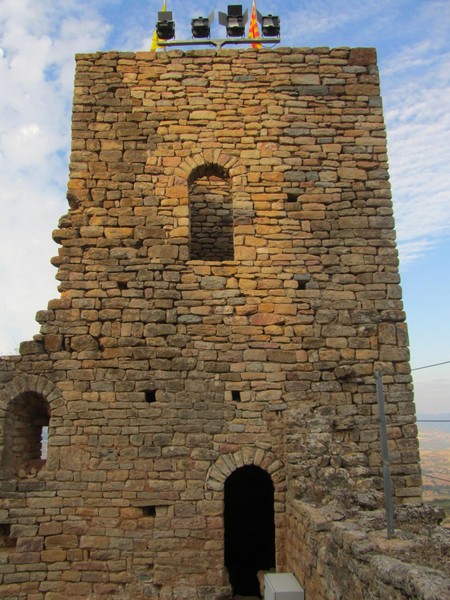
38,40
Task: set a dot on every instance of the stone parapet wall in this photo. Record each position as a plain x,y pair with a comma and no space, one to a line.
162,374
335,554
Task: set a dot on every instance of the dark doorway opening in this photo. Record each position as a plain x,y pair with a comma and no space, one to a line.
249,528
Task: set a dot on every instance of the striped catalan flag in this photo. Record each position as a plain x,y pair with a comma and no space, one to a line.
253,32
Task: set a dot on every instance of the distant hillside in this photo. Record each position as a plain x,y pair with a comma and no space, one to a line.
434,440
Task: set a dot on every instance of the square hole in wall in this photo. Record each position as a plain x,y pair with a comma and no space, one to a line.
6,542
148,511
150,396
302,280
236,395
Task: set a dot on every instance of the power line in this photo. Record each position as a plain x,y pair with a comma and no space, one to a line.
433,420
433,477
429,366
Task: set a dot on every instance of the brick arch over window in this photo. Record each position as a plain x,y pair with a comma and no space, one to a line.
196,166
211,215
25,411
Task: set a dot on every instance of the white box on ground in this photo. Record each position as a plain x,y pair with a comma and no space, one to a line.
282,586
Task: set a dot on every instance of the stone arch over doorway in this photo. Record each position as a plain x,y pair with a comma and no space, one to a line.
227,463
261,472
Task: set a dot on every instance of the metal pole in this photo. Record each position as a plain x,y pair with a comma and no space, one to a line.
219,43
385,456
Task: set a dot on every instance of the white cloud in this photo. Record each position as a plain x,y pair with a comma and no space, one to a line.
335,23
38,41
418,120
411,251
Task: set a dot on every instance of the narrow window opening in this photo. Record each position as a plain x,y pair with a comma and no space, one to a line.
211,217
148,511
26,434
292,197
122,285
236,395
150,396
44,442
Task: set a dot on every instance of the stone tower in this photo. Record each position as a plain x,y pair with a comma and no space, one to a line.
229,283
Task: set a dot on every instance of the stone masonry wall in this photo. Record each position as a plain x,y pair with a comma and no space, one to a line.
163,374
337,554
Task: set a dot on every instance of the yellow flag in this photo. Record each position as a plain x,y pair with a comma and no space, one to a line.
154,44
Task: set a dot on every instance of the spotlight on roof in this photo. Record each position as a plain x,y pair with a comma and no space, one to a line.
234,20
270,25
165,26
201,26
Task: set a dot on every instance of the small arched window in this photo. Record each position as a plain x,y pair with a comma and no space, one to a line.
25,434
211,215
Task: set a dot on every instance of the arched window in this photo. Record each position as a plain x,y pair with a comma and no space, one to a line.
25,434
211,215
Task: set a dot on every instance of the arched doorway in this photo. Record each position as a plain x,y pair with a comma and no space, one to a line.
249,528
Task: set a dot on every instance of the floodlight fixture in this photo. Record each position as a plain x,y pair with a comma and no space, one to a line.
234,20
270,25
201,26
165,26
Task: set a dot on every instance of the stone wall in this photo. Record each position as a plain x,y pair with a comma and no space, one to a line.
164,371
337,554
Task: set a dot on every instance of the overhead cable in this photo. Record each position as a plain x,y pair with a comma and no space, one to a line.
433,477
429,366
